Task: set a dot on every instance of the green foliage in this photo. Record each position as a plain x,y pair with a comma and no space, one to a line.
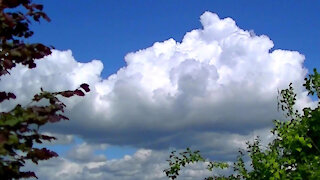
293,154
187,157
19,128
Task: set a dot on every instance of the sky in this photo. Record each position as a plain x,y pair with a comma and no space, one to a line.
165,75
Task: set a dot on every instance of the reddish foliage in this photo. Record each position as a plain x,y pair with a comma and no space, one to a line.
19,127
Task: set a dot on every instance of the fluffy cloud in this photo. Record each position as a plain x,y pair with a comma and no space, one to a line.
86,153
213,91
219,81
143,165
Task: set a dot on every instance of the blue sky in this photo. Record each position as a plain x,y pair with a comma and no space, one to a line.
108,30
203,89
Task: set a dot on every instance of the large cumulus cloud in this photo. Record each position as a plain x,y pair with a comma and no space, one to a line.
212,90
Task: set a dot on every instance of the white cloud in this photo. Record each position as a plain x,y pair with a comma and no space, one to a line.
85,153
212,90
143,165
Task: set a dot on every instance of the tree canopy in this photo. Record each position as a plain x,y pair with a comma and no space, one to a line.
19,127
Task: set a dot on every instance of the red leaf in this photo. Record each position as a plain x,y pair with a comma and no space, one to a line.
32,65
11,95
46,17
48,138
4,96
79,92
8,64
54,118
38,6
63,117
41,154
67,93
28,174
85,87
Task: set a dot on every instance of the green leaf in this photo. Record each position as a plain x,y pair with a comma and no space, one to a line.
13,139
309,145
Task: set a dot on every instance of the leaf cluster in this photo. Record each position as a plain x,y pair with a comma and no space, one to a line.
15,18
19,131
19,128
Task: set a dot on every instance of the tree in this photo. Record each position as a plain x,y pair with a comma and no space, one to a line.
293,154
19,128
